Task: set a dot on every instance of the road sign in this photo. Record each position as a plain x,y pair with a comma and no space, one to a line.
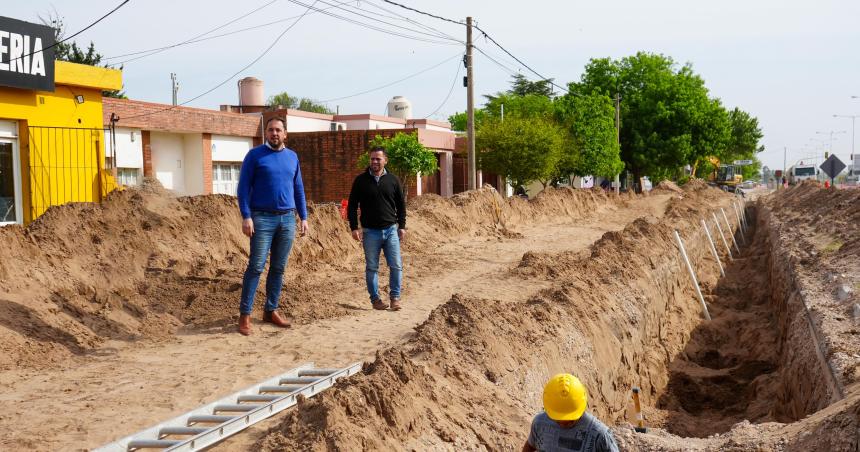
743,162
832,166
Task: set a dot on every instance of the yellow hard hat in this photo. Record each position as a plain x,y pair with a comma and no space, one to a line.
564,398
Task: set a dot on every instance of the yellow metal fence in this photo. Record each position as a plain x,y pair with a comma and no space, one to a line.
68,165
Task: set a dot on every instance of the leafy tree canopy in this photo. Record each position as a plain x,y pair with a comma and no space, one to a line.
407,157
522,149
592,148
69,51
298,103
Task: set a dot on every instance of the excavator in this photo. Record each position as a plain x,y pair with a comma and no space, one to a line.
727,177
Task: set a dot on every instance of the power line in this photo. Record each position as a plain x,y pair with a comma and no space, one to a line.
407,19
456,76
422,12
195,41
519,60
373,27
236,73
435,35
396,81
79,32
486,35
161,49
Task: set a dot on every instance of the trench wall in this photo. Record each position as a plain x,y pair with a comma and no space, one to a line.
807,383
473,373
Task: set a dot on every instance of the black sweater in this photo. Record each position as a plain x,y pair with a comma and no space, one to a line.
381,204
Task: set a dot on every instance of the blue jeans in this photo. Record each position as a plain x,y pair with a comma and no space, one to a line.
272,232
386,240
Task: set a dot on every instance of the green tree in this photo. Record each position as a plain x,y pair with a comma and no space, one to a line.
298,103
407,157
592,148
69,51
458,120
667,118
521,86
521,149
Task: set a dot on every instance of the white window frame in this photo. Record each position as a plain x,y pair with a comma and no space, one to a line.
12,138
216,171
119,178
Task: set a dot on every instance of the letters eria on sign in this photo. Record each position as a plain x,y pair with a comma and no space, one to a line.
24,54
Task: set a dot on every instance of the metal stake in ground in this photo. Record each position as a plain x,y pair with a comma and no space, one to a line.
741,224
722,236
713,248
737,206
742,208
692,274
729,230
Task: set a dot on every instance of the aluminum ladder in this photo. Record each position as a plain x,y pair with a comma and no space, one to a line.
209,424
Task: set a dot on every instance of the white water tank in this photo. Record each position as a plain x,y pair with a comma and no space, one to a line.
400,107
251,92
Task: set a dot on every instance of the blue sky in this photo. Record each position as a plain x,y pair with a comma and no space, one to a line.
793,64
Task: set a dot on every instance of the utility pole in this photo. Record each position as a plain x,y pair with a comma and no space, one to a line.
618,136
174,86
470,107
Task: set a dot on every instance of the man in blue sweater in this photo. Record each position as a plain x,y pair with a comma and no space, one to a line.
270,194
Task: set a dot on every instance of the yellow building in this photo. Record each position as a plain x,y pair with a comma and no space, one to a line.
52,142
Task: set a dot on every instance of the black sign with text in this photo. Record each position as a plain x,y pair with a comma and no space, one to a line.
26,55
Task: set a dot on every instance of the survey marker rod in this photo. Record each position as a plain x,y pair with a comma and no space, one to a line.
692,274
740,224
729,230
728,248
713,248
742,206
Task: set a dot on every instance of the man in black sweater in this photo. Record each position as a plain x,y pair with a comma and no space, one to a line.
383,225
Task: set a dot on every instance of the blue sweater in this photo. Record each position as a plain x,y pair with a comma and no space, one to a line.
271,180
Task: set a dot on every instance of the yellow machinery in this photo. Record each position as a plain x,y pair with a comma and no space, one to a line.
727,177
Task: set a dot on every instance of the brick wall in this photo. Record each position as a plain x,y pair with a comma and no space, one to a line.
329,161
146,143
163,117
207,163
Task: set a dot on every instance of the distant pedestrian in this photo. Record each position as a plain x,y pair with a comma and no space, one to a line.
564,425
270,194
383,226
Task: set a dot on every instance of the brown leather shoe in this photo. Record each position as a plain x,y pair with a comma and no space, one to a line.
245,324
275,318
395,304
378,305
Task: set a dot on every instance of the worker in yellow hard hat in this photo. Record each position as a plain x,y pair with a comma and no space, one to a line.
564,425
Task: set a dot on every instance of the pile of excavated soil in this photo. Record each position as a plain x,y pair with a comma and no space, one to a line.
820,232
471,376
667,185
622,314
145,264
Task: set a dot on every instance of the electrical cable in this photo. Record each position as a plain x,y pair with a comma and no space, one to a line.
272,45
156,50
72,36
456,76
160,49
434,35
407,19
422,12
394,82
486,35
373,27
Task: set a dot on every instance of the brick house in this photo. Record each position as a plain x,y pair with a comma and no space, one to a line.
195,151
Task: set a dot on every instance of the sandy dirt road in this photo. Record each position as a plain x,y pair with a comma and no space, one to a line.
124,387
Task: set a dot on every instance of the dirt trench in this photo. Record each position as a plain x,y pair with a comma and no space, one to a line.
623,314
729,370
